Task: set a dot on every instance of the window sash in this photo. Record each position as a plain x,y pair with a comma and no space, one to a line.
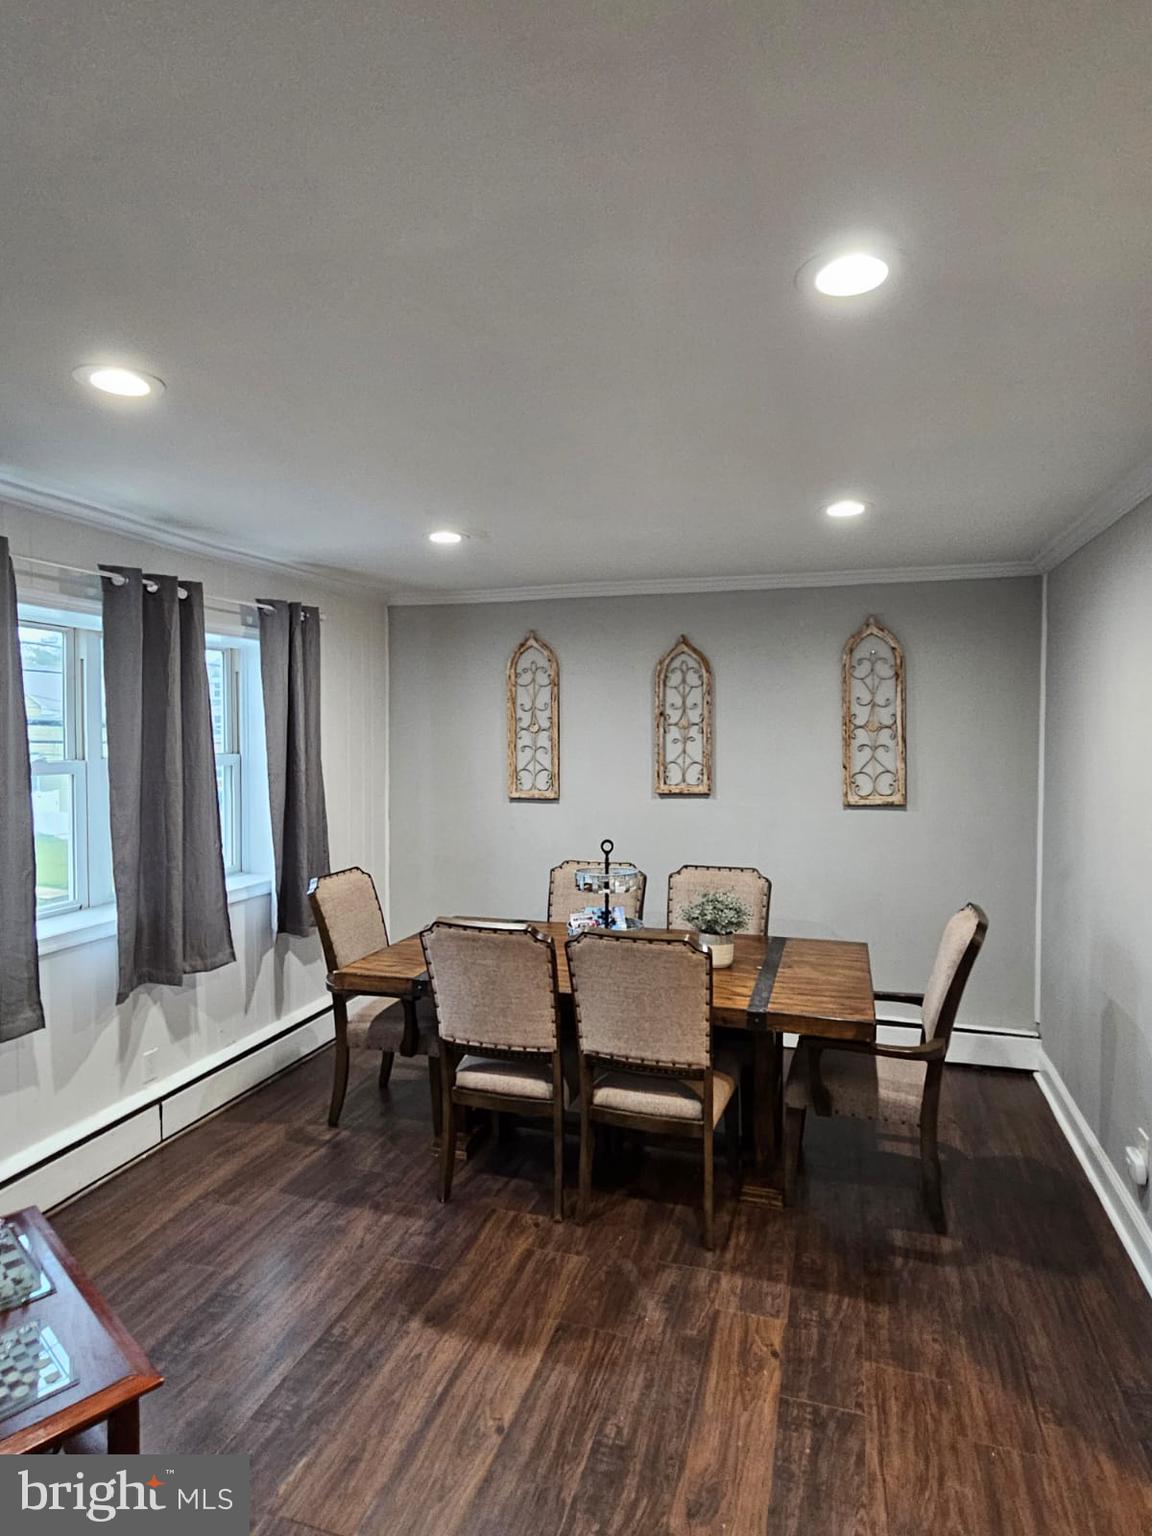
76,896
228,772
85,764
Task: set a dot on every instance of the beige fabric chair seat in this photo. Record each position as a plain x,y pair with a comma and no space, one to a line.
378,1025
861,1086
517,1079
639,1093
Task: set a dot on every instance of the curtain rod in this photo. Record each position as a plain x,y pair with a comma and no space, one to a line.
118,580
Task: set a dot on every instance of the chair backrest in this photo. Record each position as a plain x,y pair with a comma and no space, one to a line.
693,880
642,999
564,898
494,985
348,916
960,944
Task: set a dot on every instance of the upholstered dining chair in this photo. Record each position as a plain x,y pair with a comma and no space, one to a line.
351,925
898,1085
564,898
497,1010
691,881
644,1028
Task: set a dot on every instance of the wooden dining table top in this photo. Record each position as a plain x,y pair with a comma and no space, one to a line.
802,986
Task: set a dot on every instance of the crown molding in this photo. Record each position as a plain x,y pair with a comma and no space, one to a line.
35,498
1116,502
661,586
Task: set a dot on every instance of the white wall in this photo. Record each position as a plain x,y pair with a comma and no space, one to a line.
889,877
88,1061
1096,973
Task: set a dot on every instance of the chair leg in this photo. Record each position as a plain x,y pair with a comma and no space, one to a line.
340,1062
558,1160
587,1144
793,1140
447,1143
386,1060
436,1094
709,1191
929,1147
930,1182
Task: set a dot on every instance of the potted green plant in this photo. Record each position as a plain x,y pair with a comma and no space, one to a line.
716,916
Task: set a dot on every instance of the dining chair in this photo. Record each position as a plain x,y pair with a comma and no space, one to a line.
497,1009
691,881
644,1029
350,922
564,898
898,1085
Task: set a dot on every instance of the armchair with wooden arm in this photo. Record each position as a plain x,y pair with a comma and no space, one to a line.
894,1084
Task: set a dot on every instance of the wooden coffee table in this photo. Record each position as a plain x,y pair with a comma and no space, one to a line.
111,1371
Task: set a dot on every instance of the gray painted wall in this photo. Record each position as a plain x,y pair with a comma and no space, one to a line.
1096,940
889,877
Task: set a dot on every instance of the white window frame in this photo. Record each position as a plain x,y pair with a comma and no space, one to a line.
84,764
91,915
231,759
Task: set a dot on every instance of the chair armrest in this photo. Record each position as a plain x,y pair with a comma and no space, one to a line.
900,997
927,1050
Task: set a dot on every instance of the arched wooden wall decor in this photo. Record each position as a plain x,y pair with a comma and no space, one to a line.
533,721
873,717
683,721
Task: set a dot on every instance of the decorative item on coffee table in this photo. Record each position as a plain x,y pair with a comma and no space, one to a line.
716,916
21,1279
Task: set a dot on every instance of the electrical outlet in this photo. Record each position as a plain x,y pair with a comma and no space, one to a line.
1136,1159
149,1060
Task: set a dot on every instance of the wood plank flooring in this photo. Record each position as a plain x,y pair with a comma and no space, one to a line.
475,1370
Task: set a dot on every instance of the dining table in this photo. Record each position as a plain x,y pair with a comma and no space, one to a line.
775,986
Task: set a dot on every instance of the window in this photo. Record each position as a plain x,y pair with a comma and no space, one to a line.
68,744
225,683
63,701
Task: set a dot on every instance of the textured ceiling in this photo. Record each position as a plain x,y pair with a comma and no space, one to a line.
528,269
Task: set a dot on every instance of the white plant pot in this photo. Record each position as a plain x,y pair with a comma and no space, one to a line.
721,946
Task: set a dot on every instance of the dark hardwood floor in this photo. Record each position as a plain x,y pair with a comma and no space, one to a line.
391,1365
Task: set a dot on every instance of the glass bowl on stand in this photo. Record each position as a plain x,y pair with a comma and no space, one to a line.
607,882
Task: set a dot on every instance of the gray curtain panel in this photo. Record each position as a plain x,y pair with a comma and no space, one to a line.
20,1008
167,861
290,671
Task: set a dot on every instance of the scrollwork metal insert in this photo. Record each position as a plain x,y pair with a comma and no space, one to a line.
533,721
683,721
873,718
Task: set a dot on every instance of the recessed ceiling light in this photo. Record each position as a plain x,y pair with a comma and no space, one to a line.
856,272
445,536
845,509
119,381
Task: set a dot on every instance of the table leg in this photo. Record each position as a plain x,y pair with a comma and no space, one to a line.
124,1430
764,1183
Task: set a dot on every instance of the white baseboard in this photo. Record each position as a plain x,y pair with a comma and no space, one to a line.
64,1166
987,1048
1131,1225
969,1047
89,1163
229,1082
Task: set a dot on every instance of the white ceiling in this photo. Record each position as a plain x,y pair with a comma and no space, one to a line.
528,269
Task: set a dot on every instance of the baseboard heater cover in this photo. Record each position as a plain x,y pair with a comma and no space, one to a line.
78,1166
